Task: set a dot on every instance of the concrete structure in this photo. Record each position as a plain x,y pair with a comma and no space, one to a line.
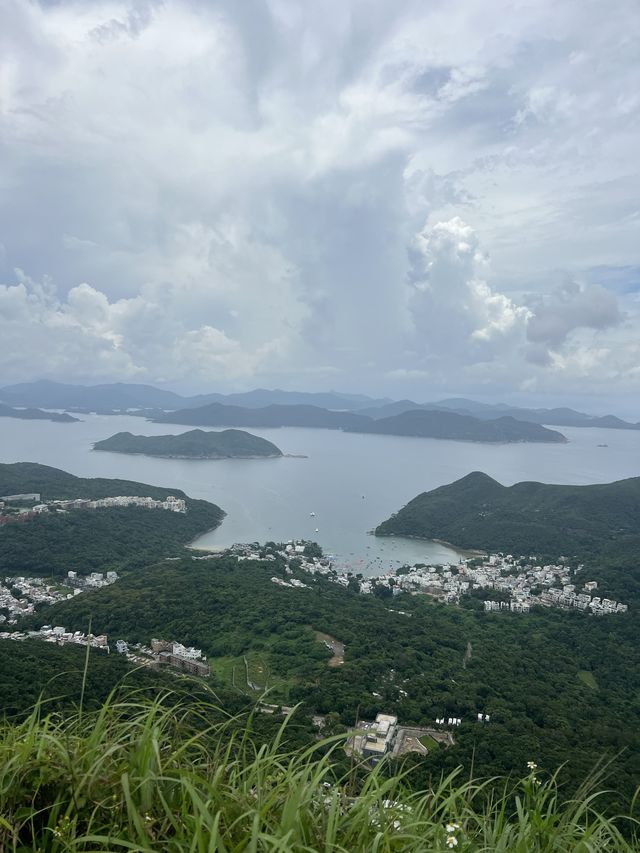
375,739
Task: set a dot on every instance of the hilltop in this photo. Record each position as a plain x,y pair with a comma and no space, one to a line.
195,444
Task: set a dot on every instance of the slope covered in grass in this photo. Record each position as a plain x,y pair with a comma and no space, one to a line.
148,776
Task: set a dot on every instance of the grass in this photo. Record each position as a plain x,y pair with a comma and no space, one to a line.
429,742
588,678
153,775
232,673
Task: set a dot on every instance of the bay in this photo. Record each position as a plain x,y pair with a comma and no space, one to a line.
350,482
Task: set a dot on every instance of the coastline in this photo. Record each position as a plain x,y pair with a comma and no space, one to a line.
182,456
469,552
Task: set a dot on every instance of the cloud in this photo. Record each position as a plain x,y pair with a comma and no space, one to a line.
458,317
570,307
225,192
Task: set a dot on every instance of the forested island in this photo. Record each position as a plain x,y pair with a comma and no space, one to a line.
35,415
117,538
195,444
456,427
419,423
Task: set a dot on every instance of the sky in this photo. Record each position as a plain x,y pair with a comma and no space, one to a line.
409,199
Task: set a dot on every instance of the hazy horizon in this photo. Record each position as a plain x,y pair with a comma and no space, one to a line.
403,200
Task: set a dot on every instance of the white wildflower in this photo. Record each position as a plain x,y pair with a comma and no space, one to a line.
532,765
452,842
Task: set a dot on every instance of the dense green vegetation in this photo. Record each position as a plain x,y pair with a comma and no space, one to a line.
35,415
450,425
523,671
148,776
33,671
195,444
596,524
88,540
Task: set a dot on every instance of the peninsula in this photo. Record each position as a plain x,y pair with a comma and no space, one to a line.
35,415
596,521
195,444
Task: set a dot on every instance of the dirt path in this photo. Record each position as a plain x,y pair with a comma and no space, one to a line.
336,647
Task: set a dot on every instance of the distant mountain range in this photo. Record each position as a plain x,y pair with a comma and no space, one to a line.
34,415
599,521
195,444
122,396
423,424
485,411
116,397
217,414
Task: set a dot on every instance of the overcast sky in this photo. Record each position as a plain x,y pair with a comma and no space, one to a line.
401,198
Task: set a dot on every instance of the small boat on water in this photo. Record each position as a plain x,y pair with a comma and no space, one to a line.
312,514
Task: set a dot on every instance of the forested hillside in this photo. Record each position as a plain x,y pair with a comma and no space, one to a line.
596,523
559,687
117,538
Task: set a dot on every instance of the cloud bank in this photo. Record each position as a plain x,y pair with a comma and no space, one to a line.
403,199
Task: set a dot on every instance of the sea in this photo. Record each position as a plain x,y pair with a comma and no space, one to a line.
334,488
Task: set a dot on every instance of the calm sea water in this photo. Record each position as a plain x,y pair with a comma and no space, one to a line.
351,482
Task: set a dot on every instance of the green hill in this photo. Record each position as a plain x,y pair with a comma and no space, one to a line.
94,540
456,427
595,522
195,444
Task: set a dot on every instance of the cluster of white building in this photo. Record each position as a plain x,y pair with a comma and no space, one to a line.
20,595
294,583
375,739
170,503
525,583
31,591
60,636
94,580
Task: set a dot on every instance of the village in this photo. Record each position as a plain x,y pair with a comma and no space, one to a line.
20,596
520,583
13,509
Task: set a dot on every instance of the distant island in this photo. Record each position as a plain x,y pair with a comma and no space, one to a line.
423,424
561,416
455,427
599,521
219,414
195,444
148,401
35,415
